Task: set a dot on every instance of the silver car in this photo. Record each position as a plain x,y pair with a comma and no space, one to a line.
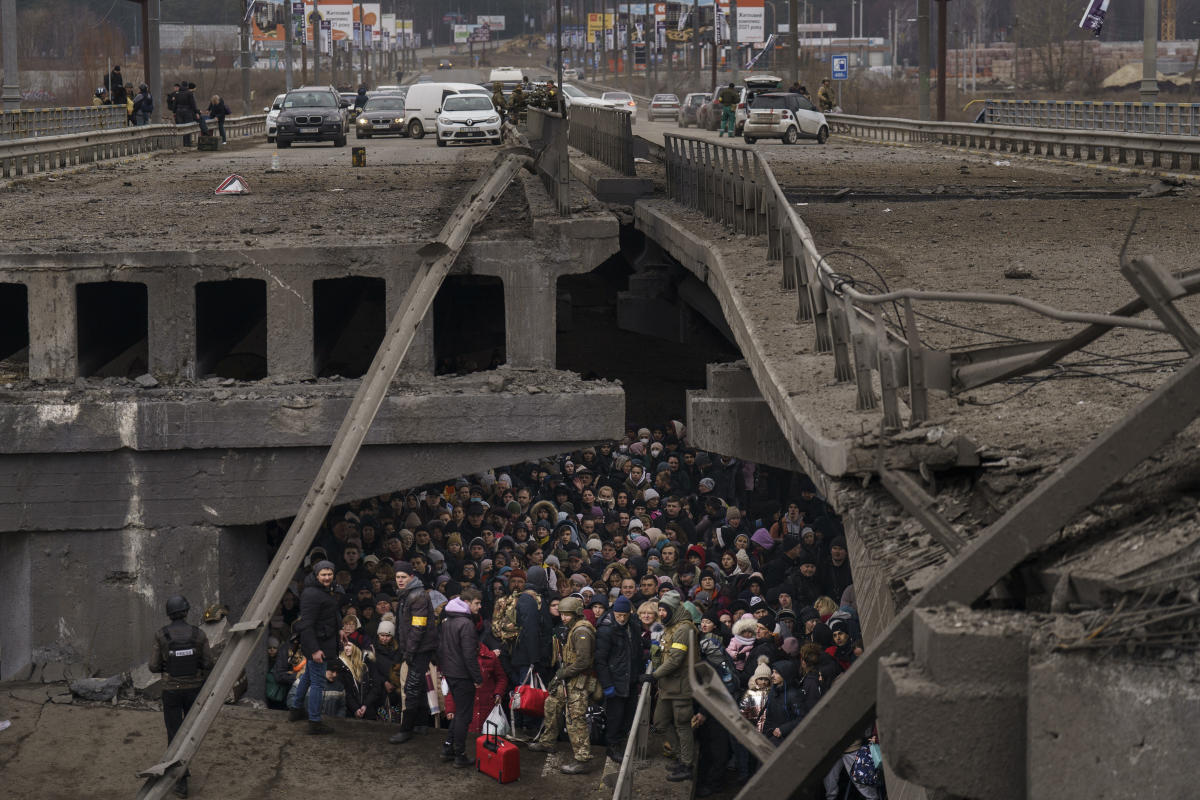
785,116
273,115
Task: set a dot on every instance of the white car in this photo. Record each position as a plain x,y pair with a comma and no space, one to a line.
663,105
785,116
574,96
571,74
468,118
622,101
273,114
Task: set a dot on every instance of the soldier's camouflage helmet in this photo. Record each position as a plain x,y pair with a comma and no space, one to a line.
570,605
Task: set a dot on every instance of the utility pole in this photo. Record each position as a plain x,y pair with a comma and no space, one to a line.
289,36
363,56
1149,92
923,58
245,57
696,38
12,79
318,35
793,40
735,58
941,61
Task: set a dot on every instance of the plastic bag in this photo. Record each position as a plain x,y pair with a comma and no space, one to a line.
497,722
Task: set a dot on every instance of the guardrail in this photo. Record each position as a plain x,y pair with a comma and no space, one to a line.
1171,152
635,745
1173,119
31,122
547,133
733,185
45,153
605,134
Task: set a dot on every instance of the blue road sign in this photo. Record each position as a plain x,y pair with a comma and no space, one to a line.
841,68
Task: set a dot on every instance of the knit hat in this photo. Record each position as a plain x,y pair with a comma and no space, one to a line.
649,494
762,538
594,544
405,567
791,646
745,626
708,483
743,560
516,573
635,524
320,565
387,627
632,550
622,605
763,670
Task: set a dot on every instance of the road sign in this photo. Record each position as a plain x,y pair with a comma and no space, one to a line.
234,184
841,67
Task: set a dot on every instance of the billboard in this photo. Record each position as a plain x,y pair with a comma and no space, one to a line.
751,21
340,15
599,22
267,20
370,17
494,22
462,33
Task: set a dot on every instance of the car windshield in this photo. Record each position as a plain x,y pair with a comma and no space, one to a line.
571,91
616,96
310,100
699,99
665,98
385,103
467,103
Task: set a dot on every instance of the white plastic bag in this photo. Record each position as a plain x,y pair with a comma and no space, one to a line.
496,723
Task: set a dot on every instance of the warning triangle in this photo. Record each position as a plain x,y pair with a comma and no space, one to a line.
234,184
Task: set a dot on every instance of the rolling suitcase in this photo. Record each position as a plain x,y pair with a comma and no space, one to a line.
497,757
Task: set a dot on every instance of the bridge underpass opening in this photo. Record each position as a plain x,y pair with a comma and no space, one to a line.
469,324
349,322
112,329
231,329
14,330
655,372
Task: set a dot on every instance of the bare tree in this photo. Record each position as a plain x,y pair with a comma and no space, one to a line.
1048,27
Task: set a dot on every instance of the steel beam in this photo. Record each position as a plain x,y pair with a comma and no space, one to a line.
917,502
1025,528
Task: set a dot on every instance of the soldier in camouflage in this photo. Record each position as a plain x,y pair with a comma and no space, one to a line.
570,689
673,714
498,98
516,105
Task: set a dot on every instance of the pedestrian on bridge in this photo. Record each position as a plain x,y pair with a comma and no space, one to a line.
728,98
318,626
417,635
182,654
458,659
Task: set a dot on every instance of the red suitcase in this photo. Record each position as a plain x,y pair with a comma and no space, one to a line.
497,757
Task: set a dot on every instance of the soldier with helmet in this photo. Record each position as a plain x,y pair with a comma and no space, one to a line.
183,656
571,689
498,98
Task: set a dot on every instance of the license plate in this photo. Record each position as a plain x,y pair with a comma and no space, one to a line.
382,124
310,130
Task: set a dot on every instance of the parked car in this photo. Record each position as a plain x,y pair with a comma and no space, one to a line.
708,116
311,114
754,86
623,101
468,118
273,115
689,109
784,116
383,115
663,105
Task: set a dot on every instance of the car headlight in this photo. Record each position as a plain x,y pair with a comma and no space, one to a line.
493,119
399,120
362,120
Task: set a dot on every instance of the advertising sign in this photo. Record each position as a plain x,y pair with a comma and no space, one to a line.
751,21
388,26
340,14
600,22
326,44
462,33
494,22
267,21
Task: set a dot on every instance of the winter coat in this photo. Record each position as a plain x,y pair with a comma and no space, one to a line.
494,685
528,647
458,643
319,620
672,674
618,653
416,628
386,657
366,692
762,647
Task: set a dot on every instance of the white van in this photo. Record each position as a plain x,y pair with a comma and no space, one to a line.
424,101
509,78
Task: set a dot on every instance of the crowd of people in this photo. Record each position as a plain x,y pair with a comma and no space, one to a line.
181,103
587,575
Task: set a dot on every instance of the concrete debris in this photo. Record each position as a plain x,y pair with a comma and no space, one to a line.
98,689
1018,274
5,724
145,682
146,381
63,699
497,383
1160,188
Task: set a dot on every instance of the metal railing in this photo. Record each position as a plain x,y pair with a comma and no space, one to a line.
547,133
635,745
734,186
1173,119
31,122
31,156
605,134
1156,150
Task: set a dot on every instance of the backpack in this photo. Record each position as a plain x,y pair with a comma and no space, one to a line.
504,624
183,651
147,103
723,665
864,772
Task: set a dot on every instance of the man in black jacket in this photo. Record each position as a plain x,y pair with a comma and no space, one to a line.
458,659
182,654
417,635
531,648
618,662
318,625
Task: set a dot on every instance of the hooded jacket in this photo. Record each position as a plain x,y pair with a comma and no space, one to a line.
532,644
674,683
458,643
416,628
